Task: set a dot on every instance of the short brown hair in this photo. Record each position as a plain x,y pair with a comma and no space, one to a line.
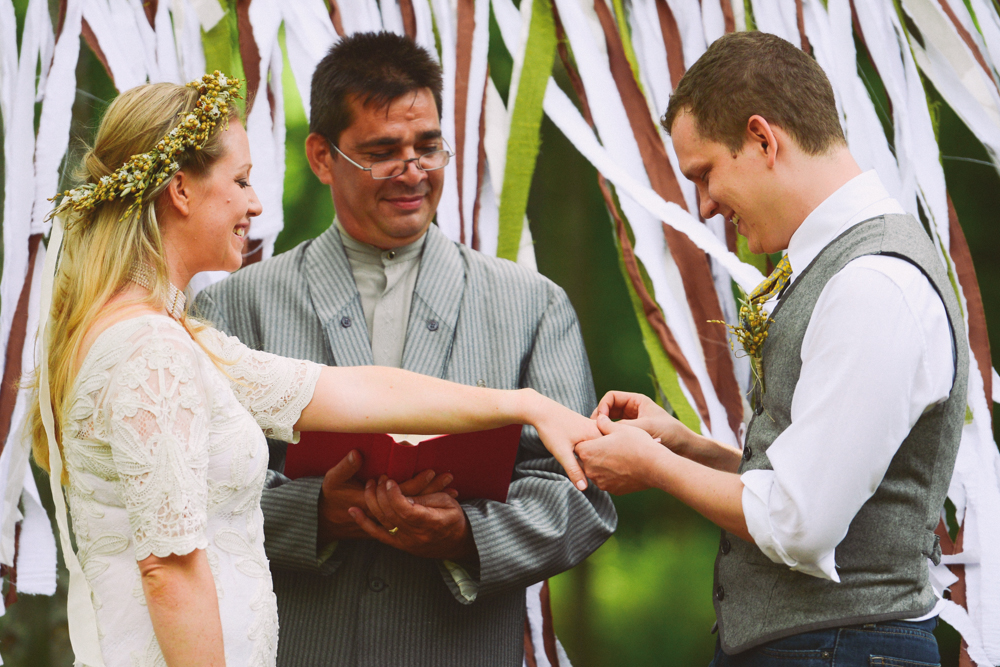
754,73
374,67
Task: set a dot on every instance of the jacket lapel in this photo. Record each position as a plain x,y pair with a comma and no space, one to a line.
335,299
437,301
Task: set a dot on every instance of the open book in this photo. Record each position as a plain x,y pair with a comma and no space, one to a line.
482,462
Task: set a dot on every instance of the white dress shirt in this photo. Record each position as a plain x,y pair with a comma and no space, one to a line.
876,354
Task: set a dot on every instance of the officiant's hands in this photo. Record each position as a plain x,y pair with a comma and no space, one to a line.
430,525
341,491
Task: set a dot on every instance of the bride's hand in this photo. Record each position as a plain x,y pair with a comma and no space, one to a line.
560,430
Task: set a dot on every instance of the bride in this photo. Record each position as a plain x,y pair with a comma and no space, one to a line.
161,420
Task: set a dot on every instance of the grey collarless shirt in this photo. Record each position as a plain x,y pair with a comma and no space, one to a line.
385,280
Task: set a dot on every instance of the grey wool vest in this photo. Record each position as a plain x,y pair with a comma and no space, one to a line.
882,560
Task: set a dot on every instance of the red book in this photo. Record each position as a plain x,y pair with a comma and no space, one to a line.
482,462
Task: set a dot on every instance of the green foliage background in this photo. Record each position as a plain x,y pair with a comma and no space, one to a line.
644,598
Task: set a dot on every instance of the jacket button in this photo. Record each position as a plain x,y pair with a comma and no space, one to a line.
432,325
345,322
747,453
720,593
725,546
377,585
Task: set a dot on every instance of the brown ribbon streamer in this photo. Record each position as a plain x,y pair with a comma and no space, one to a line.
249,53
650,308
409,18
481,168
337,20
9,388
529,645
727,16
149,7
696,273
548,630
800,21
957,589
965,271
672,41
463,65
967,38
91,39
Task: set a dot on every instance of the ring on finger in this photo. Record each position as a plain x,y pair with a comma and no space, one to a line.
394,530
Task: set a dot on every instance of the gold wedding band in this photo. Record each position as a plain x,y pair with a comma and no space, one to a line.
394,530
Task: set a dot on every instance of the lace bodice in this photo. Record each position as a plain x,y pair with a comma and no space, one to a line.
166,454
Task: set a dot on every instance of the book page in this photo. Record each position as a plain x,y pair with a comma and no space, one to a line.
410,439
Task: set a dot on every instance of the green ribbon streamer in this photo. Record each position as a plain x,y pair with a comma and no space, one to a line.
222,48
525,127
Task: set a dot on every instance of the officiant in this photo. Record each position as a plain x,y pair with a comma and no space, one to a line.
828,513
379,580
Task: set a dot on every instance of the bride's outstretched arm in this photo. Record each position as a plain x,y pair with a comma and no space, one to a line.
375,399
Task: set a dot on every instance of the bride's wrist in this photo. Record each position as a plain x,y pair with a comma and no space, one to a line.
529,406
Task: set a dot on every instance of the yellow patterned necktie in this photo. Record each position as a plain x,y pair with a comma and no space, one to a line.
774,283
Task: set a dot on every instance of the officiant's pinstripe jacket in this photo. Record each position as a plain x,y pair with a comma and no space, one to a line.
475,320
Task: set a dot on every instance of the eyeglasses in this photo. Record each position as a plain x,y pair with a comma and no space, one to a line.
386,169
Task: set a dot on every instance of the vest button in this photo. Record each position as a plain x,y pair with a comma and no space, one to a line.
432,325
747,453
345,322
759,410
725,546
377,585
720,593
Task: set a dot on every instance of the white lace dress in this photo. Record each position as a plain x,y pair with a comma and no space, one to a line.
165,455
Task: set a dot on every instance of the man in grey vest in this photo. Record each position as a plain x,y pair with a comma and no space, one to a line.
362,576
828,515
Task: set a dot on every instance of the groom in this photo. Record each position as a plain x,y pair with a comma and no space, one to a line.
828,515
384,286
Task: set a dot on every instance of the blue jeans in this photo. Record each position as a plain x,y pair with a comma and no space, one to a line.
886,644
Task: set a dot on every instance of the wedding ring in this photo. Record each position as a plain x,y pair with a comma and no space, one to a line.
394,530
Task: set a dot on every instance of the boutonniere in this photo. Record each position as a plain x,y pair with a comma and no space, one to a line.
750,333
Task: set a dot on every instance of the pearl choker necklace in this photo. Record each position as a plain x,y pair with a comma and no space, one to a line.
142,275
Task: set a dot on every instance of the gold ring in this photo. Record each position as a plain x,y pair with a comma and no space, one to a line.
394,530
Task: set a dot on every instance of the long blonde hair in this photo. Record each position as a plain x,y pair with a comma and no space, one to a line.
100,246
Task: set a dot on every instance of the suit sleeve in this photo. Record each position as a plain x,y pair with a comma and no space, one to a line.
547,526
290,507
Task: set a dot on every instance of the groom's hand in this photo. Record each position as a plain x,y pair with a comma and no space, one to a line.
431,525
341,491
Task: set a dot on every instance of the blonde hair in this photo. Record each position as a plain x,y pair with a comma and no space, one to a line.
101,246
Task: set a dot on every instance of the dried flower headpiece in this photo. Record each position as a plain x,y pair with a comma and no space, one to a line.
159,164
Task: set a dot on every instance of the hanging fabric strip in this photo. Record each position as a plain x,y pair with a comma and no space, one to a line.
525,124
309,34
665,355
448,206
692,263
611,121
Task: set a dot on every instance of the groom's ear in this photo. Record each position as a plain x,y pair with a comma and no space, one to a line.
320,157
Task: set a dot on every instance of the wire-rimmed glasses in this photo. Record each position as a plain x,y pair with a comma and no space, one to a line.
386,169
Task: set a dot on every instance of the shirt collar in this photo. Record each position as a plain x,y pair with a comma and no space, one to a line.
369,254
861,198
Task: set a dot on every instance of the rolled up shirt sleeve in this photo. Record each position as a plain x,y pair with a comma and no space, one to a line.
876,354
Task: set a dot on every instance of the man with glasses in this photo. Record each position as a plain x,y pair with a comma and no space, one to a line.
426,580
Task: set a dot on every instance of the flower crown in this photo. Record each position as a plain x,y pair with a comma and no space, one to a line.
160,163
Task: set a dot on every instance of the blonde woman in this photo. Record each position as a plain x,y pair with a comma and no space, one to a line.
160,420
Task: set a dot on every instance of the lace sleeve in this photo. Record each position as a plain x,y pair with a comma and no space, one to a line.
272,388
157,418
